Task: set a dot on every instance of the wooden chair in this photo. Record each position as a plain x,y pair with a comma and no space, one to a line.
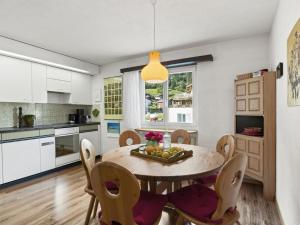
204,206
225,147
129,134
181,133
88,158
223,143
129,206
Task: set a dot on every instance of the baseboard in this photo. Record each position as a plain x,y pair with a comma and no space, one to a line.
279,212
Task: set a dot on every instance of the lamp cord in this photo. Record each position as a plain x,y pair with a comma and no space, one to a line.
154,24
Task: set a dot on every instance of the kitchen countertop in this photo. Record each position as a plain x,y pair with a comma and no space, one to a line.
48,126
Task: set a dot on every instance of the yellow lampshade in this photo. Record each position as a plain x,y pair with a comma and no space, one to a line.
154,72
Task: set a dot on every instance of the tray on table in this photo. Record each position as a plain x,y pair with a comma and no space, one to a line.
175,158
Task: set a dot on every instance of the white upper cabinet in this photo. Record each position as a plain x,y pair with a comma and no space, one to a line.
39,83
15,85
58,80
59,74
81,89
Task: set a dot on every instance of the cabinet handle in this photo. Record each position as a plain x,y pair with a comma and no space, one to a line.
48,143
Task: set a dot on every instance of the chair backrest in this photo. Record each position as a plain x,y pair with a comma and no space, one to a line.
229,183
88,158
181,133
129,134
115,207
225,146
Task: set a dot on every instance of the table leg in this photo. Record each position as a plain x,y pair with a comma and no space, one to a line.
177,185
153,186
144,185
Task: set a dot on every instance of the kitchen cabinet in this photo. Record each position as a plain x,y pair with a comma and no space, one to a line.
1,178
58,86
94,137
47,148
58,74
81,89
15,85
39,83
20,159
58,80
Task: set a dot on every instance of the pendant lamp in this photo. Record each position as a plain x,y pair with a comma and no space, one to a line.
154,71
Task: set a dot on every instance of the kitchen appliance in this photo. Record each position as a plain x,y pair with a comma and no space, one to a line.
66,145
72,118
80,117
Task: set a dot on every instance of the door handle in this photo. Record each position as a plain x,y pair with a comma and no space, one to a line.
48,143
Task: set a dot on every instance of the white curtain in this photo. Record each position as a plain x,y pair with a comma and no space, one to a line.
131,100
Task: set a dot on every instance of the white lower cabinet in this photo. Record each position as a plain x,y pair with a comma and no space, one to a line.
1,177
20,159
94,137
47,148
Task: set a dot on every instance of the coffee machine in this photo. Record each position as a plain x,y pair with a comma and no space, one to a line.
80,117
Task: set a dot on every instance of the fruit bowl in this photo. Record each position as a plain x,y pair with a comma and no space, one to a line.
157,153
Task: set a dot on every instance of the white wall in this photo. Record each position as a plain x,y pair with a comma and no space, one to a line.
288,118
34,52
215,82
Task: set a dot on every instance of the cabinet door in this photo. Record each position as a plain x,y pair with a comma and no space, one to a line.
47,148
93,137
81,89
15,85
58,86
58,74
39,83
241,97
20,159
253,147
255,96
1,178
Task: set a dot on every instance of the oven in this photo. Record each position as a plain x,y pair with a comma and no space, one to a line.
66,145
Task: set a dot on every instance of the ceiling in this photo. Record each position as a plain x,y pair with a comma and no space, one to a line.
103,31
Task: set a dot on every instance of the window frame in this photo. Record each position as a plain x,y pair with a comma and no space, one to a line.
166,123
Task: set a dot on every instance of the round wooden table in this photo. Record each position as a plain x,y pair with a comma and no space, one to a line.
202,163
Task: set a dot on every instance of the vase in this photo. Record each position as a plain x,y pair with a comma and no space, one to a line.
152,143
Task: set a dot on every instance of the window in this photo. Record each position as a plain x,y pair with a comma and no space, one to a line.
172,101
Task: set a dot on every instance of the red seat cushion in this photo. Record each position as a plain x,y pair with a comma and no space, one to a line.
208,180
148,208
198,201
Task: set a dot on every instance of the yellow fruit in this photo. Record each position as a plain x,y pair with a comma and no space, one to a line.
166,155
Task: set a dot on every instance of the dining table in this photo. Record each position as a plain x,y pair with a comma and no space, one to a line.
157,176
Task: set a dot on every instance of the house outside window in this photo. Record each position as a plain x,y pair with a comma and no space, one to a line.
170,102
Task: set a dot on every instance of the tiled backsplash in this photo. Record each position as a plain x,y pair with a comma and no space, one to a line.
45,113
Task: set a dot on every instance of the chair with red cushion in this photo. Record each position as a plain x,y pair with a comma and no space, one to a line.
225,147
201,205
130,206
127,136
88,158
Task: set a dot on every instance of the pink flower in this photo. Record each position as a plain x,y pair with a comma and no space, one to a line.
153,136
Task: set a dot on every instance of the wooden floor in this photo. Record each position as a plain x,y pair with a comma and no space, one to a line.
59,198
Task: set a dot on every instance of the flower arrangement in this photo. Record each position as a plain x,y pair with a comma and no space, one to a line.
153,138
